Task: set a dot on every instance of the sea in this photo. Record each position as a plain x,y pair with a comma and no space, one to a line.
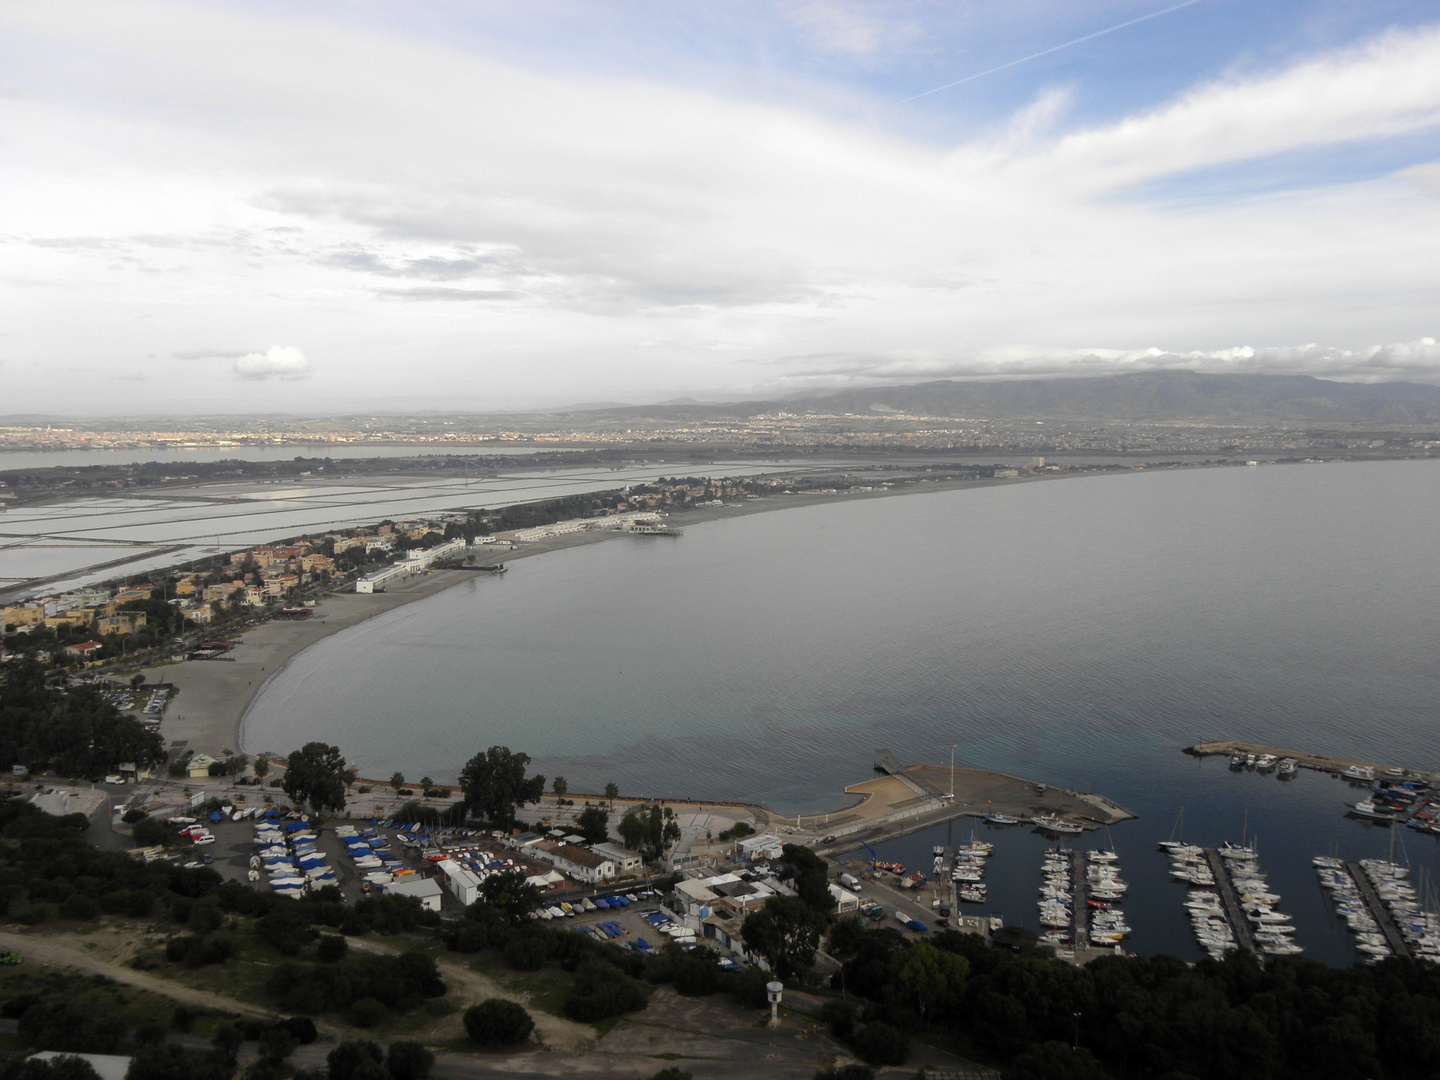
1077,631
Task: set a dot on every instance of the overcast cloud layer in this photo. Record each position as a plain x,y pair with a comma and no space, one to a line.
227,208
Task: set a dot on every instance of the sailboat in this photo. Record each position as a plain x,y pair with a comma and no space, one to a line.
1172,843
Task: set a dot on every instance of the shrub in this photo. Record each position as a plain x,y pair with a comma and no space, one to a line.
497,1022
132,815
346,1059
332,948
602,990
367,1013
840,1015
302,1027
880,1044
408,1060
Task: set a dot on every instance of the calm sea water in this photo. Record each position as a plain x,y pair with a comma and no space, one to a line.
1079,632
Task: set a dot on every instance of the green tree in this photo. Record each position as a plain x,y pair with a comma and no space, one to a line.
509,894
929,980
560,787
496,1022
594,824
316,774
426,783
649,831
786,931
612,792
810,876
262,766
495,784
397,781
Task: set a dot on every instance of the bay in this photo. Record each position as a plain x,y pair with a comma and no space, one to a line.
1078,631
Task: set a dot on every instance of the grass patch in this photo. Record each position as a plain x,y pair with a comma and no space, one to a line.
134,1005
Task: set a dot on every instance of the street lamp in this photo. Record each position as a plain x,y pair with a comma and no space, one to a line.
952,771
772,994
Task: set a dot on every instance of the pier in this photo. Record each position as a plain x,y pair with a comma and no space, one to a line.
1318,762
1079,905
1378,911
1236,914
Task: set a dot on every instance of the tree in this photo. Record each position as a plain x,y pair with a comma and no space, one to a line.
64,1067
408,1060
426,783
612,792
926,978
649,831
316,774
594,824
560,787
812,881
347,1059
496,1022
509,894
495,784
786,931
397,781
262,766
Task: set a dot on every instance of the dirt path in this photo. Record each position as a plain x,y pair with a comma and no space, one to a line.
72,952
467,987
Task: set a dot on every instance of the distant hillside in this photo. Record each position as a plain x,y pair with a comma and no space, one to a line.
1155,396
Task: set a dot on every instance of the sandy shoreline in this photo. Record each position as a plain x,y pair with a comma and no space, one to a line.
214,695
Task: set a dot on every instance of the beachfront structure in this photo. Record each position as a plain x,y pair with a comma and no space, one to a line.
845,900
426,890
412,563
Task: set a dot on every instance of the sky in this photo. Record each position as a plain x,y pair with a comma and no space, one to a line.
309,207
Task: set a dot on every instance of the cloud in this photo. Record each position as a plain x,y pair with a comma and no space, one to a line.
1407,359
278,361
526,222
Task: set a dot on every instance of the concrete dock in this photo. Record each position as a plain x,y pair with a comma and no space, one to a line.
1378,911
1306,760
1233,911
1079,903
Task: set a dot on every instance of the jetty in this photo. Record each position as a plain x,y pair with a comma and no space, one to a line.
1233,911
1306,760
1378,911
908,798
1079,904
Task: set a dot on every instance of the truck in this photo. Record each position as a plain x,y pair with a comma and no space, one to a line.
850,881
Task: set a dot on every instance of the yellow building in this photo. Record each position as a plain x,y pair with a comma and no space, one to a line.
26,615
121,622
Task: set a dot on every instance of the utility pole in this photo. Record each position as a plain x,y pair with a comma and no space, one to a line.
952,771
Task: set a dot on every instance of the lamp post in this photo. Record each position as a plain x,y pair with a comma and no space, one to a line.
952,771
772,994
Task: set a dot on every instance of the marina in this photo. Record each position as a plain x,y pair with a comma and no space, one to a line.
1377,909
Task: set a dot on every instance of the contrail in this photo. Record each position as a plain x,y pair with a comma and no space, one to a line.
1053,48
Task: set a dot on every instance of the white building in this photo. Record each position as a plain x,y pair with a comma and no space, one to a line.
625,860
462,882
426,890
845,900
576,862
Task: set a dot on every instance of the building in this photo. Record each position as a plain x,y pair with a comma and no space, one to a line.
576,862
463,883
625,860
199,766
119,622
86,650
426,890
845,900
763,846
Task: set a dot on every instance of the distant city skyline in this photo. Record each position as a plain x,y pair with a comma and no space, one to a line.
263,207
